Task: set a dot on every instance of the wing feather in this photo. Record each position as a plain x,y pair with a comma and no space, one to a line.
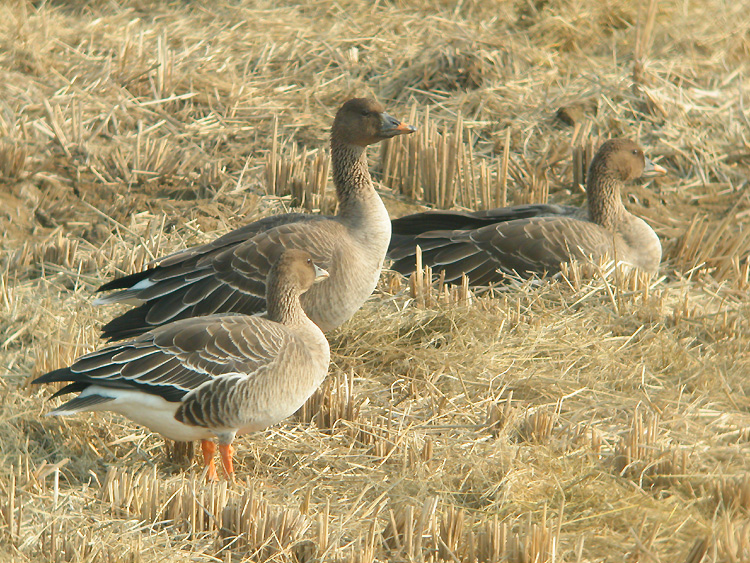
163,310
176,359
439,220
225,276
532,245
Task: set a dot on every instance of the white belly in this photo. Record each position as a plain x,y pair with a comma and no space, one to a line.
148,410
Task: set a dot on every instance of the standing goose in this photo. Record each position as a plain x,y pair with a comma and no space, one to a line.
228,274
536,239
217,375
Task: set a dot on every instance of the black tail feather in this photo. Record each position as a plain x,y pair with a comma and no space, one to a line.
128,325
62,374
75,387
125,282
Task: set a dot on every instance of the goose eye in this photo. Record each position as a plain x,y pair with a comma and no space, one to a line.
309,261
636,152
364,112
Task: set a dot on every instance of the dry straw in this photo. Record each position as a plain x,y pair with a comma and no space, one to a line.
640,456
304,177
333,404
411,532
437,166
427,289
597,416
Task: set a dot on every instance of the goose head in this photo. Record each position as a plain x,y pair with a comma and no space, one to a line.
296,270
362,122
624,160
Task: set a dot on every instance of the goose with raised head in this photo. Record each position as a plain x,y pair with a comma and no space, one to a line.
212,376
228,274
528,240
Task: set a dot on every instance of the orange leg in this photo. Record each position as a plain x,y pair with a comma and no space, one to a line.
209,449
227,451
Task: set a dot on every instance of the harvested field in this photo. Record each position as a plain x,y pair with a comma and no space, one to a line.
599,417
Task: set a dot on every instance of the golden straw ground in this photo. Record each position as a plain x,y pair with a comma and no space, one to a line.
593,418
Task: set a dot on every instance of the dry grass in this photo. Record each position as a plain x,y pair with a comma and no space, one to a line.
601,416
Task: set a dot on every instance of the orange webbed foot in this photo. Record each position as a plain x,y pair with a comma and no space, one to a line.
209,449
227,452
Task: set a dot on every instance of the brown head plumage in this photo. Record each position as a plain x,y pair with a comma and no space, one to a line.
292,274
362,122
624,160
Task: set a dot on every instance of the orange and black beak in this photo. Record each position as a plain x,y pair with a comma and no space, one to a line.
390,127
651,170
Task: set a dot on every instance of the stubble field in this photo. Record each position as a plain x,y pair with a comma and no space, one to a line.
587,418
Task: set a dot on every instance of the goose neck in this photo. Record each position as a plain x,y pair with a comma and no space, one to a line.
351,175
283,304
604,200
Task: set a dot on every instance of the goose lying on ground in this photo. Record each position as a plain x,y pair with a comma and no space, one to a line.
536,239
217,375
228,274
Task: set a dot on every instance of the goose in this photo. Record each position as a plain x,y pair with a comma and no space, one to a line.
213,376
528,240
228,274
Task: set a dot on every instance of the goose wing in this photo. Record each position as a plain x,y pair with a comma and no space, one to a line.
439,220
232,238
524,247
238,236
224,279
539,245
176,359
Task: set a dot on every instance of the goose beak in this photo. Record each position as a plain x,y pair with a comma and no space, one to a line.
320,274
651,170
390,126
